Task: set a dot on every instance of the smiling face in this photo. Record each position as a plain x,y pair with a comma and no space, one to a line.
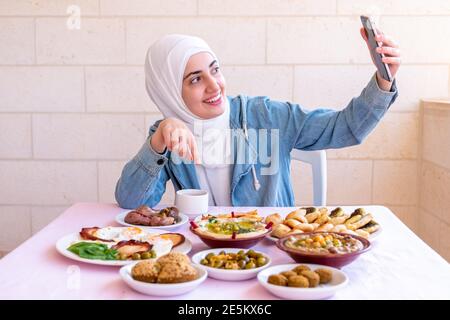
204,86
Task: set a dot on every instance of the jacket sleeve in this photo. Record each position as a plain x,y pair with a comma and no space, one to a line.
325,128
143,179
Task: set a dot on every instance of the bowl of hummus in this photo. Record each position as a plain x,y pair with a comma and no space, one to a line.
233,230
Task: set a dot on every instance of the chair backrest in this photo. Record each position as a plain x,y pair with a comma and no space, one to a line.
318,162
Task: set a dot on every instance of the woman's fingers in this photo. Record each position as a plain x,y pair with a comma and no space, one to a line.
389,51
392,60
363,33
386,40
194,150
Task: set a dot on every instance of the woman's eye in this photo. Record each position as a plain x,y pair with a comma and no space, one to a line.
216,69
195,80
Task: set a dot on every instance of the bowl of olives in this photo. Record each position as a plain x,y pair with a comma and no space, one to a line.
232,264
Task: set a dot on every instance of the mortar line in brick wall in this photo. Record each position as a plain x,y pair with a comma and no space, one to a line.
98,180
126,159
35,41
266,40
372,182
293,83
34,205
84,90
230,16
125,24
32,136
143,114
93,160
268,64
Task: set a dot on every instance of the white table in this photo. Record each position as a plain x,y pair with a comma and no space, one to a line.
399,265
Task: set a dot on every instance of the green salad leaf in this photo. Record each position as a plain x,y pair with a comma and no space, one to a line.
93,251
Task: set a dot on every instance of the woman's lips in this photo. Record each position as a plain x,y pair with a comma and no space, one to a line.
216,103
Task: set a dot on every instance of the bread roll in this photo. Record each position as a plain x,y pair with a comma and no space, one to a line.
294,231
291,222
363,233
275,218
280,231
298,214
310,217
322,219
325,227
305,227
339,228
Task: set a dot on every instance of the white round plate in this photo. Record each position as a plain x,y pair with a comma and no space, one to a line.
162,289
120,219
66,241
225,274
322,291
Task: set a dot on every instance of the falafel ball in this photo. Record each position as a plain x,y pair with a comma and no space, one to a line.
174,257
300,268
288,274
278,280
325,275
146,271
298,282
313,278
176,273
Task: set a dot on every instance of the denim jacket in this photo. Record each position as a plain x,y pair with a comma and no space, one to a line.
144,177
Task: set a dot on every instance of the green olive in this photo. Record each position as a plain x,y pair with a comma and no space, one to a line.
250,265
146,255
218,264
261,261
241,253
241,264
153,253
123,257
222,253
209,256
251,253
136,256
204,262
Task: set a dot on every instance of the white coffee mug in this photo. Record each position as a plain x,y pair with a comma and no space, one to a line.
192,202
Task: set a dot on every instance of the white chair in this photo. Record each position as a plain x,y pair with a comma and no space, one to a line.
318,162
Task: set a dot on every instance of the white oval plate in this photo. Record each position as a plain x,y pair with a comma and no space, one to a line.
322,291
66,241
162,289
229,275
120,219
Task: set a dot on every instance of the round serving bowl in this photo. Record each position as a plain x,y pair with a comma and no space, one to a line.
162,289
322,291
227,274
244,243
337,260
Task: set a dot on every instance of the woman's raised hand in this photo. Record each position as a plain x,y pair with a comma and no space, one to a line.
176,136
391,52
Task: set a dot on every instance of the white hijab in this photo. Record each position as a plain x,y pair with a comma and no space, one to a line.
164,69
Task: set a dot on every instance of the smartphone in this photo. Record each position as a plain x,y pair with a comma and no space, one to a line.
371,32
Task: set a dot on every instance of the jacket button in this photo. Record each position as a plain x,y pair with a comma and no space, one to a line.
160,161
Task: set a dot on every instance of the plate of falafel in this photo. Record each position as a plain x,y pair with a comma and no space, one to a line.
302,281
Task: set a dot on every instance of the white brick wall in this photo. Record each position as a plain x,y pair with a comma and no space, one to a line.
73,105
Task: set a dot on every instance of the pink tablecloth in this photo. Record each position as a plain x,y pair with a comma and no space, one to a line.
399,266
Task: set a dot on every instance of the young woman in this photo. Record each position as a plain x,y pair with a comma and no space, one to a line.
236,148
